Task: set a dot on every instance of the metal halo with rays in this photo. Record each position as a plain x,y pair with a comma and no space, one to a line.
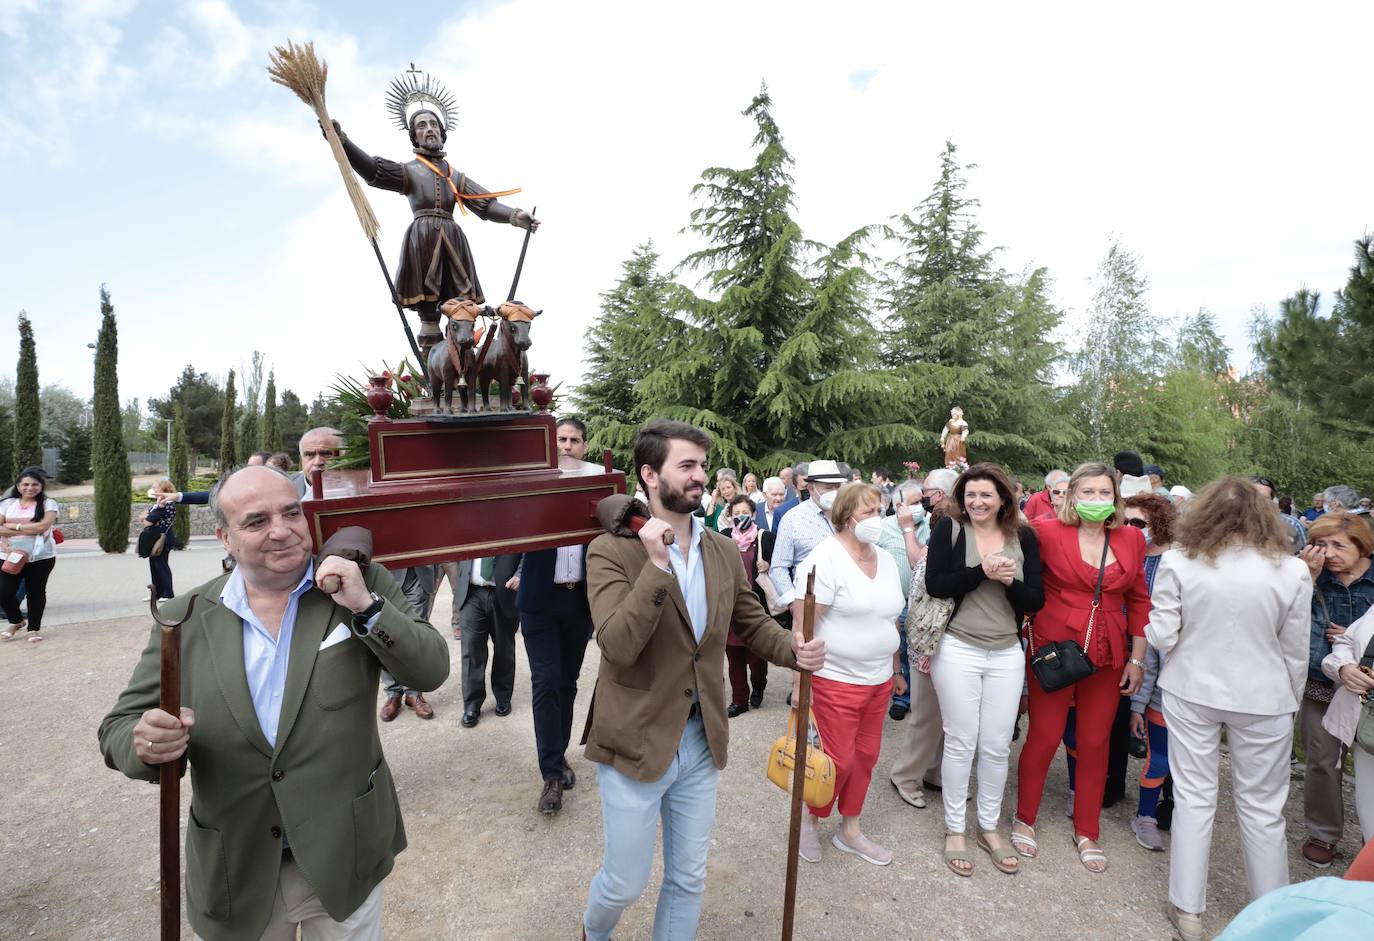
414,88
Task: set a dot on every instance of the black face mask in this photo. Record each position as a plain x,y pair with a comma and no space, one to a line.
925,504
743,522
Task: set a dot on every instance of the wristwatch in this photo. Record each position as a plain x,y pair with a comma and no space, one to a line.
908,529
1136,663
371,611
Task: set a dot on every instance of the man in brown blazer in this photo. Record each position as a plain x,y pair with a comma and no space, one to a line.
657,724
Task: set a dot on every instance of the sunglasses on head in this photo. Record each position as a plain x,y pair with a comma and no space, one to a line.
1138,524
322,452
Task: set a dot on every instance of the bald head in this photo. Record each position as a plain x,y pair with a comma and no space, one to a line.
260,523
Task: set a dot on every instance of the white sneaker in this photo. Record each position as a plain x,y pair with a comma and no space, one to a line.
1187,924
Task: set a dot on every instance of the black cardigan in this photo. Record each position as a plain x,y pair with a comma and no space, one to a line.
948,577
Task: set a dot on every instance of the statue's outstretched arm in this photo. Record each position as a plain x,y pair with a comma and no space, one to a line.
375,171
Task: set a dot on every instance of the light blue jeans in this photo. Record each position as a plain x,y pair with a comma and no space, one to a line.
685,799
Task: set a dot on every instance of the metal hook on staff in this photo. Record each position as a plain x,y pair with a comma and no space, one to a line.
169,773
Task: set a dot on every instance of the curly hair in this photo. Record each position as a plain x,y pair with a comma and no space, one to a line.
1160,515
1231,512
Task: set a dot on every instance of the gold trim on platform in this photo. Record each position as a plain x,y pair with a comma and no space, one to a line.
456,471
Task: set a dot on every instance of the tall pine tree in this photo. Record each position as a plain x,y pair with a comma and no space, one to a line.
961,331
75,454
228,456
28,415
180,472
271,435
109,458
6,447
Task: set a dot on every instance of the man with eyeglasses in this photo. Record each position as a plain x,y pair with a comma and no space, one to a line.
1270,491
1045,503
318,446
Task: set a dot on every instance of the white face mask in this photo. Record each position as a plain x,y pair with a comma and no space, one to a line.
826,501
918,512
869,530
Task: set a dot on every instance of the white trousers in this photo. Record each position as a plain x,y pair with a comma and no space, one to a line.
1260,747
1364,790
297,904
979,692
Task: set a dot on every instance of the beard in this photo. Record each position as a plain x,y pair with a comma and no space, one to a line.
678,501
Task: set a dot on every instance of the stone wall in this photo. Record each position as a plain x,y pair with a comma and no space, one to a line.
77,519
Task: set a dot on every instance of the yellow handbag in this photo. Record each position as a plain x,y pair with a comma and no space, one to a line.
819,789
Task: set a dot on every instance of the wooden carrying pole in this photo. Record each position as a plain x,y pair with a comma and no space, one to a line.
169,775
803,728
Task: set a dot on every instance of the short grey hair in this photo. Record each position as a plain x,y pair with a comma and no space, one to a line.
1054,476
942,478
221,520
727,473
1343,495
799,468
906,487
774,482
323,430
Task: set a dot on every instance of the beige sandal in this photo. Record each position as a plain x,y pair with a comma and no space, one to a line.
1004,858
12,629
1090,855
1024,843
960,856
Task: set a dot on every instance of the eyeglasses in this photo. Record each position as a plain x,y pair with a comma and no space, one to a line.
1059,491
1138,524
323,452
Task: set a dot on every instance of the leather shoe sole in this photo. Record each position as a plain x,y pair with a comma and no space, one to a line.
470,719
503,709
390,709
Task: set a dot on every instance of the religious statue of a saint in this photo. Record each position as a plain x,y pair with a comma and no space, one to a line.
953,437
436,262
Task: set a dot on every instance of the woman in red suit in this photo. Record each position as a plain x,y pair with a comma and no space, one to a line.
1071,550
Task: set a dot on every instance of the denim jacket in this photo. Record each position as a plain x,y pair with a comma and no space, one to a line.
1345,604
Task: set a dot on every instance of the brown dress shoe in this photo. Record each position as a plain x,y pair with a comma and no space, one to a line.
417,702
551,798
391,708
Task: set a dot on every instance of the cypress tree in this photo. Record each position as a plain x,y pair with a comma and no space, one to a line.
28,417
227,455
180,473
6,447
109,460
271,436
248,432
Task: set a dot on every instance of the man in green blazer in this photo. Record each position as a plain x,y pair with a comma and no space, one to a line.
294,818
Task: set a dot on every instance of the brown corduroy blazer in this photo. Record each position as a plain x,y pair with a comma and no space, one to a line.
651,663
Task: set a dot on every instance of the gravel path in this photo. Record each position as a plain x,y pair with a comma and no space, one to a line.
80,843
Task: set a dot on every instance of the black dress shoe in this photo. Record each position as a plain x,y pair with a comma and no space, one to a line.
897,711
503,709
931,787
551,798
731,711
569,778
470,717
756,697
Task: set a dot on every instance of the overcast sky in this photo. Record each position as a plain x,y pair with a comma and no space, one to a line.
143,146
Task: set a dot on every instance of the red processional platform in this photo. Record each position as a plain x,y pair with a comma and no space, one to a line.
442,489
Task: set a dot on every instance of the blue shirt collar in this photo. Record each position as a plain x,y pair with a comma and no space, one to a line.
234,594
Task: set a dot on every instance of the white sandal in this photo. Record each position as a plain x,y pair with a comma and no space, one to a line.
1092,854
1023,843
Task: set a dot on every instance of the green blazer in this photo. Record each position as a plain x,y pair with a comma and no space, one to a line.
326,785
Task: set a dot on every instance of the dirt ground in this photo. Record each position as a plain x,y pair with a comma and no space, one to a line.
80,843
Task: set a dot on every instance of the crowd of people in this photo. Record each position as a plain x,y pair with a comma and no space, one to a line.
1114,614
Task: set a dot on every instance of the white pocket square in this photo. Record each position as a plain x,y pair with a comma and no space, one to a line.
337,636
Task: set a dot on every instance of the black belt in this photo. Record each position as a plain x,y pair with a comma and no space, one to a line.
567,586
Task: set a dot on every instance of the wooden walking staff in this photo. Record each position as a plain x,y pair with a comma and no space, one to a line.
169,775
803,727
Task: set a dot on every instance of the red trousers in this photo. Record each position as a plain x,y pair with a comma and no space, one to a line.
1096,699
850,721
740,657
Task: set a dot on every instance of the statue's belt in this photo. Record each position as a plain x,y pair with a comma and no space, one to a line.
434,213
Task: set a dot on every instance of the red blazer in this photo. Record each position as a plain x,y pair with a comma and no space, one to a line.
1038,505
1069,584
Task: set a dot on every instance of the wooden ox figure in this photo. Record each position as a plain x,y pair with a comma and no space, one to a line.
454,361
503,354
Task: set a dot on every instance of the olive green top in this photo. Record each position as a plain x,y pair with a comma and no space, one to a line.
985,617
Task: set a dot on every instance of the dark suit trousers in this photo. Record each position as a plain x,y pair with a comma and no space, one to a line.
555,642
482,621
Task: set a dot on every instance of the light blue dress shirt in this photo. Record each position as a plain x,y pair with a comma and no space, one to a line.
264,659
804,528
691,578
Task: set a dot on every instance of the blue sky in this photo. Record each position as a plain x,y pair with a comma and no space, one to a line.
143,147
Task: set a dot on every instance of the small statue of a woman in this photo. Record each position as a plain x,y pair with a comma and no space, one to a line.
953,437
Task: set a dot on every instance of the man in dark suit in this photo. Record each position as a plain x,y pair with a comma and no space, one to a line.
774,506
485,596
556,623
290,793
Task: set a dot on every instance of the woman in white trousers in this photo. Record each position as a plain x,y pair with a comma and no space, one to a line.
1231,618
985,559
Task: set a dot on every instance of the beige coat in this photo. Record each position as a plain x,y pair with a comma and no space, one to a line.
1343,715
651,664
